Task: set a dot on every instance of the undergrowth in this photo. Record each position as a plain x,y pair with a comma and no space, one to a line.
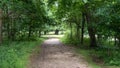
16,54
100,55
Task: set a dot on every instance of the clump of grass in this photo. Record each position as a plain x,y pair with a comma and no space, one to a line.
16,54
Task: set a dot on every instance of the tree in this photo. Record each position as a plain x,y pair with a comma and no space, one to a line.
0,26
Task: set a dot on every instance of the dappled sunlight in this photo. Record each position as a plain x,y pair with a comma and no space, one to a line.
52,36
52,41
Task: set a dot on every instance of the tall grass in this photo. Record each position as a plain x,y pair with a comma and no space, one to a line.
16,54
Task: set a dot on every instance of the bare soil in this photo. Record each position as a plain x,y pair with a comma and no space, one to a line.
53,54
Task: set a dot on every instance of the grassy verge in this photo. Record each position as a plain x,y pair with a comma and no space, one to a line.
97,57
16,54
87,57
79,50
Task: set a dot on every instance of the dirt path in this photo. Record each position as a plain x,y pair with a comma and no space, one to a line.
55,55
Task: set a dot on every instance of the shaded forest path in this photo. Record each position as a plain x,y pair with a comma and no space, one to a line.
54,54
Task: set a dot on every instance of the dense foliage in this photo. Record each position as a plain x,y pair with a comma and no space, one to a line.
94,23
97,18
23,18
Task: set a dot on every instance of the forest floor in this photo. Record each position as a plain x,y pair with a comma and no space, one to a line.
54,54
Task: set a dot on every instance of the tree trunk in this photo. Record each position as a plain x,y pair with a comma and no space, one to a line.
99,39
115,40
8,30
118,41
56,32
45,32
0,26
91,31
13,30
30,31
71,31
92,37
82,29
8,24
39,33
78,32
